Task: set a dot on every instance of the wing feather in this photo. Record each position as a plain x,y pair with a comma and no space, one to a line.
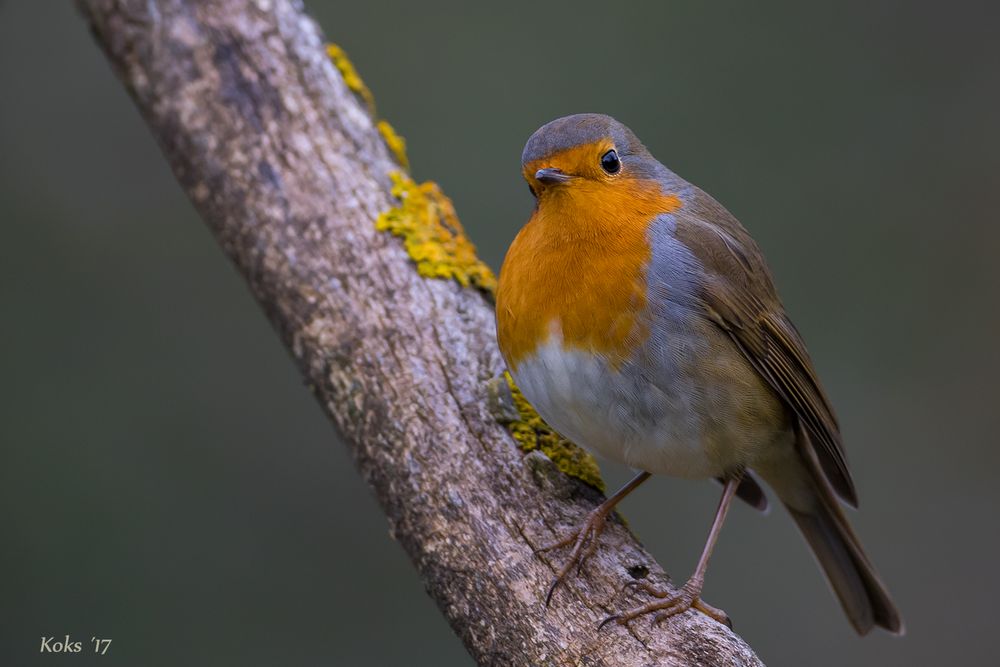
739,296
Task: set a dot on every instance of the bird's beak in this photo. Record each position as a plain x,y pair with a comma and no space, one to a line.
551,175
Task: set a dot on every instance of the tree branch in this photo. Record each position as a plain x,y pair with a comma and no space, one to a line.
286,165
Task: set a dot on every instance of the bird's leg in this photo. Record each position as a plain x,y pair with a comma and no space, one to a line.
671,603
588,532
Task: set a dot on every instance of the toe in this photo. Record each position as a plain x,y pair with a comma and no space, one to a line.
646,587
713,613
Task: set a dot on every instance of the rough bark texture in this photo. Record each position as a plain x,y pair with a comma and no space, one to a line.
286,167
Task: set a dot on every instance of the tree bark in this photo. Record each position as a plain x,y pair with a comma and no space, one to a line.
287,168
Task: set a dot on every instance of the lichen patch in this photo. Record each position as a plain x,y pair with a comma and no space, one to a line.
434,238
395,143
393,140
351,76
532,433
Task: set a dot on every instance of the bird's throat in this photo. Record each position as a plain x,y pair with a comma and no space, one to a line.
577,271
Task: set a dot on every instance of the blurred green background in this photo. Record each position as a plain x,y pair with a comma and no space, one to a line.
167,481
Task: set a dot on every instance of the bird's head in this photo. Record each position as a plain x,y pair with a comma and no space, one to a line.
586,150
591,167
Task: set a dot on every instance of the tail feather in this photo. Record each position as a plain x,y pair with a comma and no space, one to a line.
861,593
803,489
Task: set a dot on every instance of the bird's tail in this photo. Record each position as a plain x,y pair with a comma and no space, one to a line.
820,517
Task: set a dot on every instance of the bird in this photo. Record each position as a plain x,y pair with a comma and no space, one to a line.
640,319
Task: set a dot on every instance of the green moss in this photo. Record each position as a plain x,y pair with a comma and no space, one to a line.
531,433
425,219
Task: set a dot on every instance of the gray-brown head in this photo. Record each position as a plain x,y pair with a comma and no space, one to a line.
587,145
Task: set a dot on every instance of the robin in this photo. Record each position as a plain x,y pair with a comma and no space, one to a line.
640,319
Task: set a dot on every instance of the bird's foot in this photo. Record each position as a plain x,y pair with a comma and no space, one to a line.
669,603
584,541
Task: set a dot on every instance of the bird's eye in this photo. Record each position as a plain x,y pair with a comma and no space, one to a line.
610,162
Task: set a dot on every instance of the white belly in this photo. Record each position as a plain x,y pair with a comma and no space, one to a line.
618,415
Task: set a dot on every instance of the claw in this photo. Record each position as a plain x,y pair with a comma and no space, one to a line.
713,612
584,541
588,534
552,589
609,619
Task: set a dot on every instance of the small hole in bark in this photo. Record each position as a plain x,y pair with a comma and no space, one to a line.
638,571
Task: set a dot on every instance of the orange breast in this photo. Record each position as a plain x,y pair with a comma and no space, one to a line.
578,268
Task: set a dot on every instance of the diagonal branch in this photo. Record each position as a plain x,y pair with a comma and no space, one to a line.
288,168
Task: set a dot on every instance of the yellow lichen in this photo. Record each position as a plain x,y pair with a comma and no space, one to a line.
531,432
425,219
396,143
351,76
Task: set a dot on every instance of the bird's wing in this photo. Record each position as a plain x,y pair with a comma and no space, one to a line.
739,296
